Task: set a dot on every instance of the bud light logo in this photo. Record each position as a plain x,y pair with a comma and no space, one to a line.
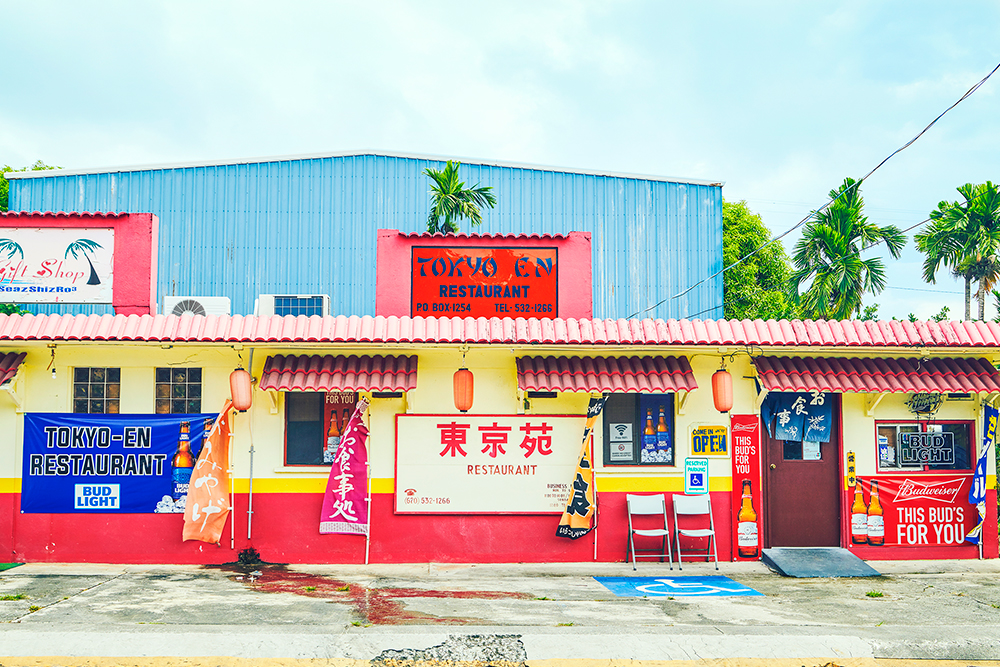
97,496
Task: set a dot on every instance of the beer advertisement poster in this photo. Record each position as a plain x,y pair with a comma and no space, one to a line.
745,436
103,463
924,511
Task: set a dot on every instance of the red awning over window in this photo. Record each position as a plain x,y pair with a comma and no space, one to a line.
875,375
339,373
605,374
9,363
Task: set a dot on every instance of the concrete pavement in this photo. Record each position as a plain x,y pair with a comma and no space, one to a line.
493,614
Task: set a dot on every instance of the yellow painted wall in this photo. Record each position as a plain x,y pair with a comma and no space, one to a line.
496,392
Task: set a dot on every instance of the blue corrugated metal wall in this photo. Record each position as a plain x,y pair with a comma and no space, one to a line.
308,226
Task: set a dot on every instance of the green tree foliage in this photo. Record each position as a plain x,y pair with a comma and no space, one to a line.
451,201
828,257
756,288
5,186
964,236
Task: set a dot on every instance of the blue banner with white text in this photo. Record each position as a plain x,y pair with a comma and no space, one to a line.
109,463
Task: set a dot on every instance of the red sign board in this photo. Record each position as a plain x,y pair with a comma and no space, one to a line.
917,511
469,281
745,434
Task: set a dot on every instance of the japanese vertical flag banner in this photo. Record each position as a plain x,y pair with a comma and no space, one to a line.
977,494
208,493
345,503
578,519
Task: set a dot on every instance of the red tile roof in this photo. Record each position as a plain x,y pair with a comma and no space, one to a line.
9,363
868,374
339,373
600,374
368,329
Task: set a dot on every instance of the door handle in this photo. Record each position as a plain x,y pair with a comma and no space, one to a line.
773,466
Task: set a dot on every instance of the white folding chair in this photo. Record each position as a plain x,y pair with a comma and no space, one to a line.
648,506
695,506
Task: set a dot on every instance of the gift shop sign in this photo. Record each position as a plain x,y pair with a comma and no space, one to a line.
931,510
484,281
482,464
55,265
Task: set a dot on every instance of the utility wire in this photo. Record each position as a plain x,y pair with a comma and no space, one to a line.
812,214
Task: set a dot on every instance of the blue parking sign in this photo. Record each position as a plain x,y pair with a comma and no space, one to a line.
651,587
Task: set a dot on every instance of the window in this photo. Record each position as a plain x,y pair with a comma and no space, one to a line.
178,390
924,446
639,429
96,390
298,305
308,417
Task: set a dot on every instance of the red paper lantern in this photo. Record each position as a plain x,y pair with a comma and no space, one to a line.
722,390
463,383
241,389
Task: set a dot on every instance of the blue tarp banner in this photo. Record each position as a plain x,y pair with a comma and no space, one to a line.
798,416
119,464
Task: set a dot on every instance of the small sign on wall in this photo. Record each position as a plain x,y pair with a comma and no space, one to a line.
695,476
710,441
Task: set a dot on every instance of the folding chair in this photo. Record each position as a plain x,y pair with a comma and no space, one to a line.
695,506
648,506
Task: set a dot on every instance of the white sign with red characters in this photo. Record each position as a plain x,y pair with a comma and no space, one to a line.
50,265
924,510
483,464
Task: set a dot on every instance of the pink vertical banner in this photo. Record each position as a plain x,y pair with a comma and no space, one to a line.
745,438
345,503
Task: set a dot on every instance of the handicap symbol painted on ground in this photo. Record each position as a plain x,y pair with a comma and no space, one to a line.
638,587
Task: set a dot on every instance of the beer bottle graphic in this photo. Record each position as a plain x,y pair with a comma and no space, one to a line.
183,463
347,416
209,422
649,439
859,515
876,522
746,527
663,448
332,439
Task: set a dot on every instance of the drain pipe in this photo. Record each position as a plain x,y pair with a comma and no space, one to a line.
250,496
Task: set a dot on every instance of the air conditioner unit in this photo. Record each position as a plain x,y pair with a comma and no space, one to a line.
292,304
196,305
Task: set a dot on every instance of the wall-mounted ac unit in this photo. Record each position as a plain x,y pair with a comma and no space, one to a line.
196,305
292,304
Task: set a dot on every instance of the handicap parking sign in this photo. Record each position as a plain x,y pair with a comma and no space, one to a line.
695,476
652,587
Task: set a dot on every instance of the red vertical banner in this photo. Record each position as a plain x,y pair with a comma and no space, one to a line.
745,433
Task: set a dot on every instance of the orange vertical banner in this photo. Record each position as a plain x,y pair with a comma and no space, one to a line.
208,493
578,519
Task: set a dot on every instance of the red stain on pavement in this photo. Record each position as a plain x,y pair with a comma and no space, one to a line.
377,606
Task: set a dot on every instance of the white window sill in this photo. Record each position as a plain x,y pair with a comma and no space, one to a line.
307,470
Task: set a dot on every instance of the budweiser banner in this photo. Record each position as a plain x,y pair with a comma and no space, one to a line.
578,519
208,490
977,494
745,436
345,503
925,510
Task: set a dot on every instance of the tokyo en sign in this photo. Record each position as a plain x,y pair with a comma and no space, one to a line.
470,281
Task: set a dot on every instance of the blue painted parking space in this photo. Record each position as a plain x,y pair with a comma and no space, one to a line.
648,587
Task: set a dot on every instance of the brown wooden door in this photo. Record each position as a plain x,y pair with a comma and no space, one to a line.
802,497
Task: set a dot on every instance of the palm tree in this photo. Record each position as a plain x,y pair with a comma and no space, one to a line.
829,256
452,201
11,248
965,237
85,247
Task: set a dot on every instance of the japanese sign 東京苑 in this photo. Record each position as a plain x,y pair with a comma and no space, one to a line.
448,464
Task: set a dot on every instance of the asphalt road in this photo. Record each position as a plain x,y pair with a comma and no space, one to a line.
493,614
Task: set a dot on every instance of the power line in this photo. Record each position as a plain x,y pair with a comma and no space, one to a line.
829,203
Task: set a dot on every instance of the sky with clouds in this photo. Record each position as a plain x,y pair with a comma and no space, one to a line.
780,100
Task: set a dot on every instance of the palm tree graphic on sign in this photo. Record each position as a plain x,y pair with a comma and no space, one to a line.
85,247
11,248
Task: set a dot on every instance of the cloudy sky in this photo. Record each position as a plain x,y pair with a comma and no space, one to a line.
780,100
